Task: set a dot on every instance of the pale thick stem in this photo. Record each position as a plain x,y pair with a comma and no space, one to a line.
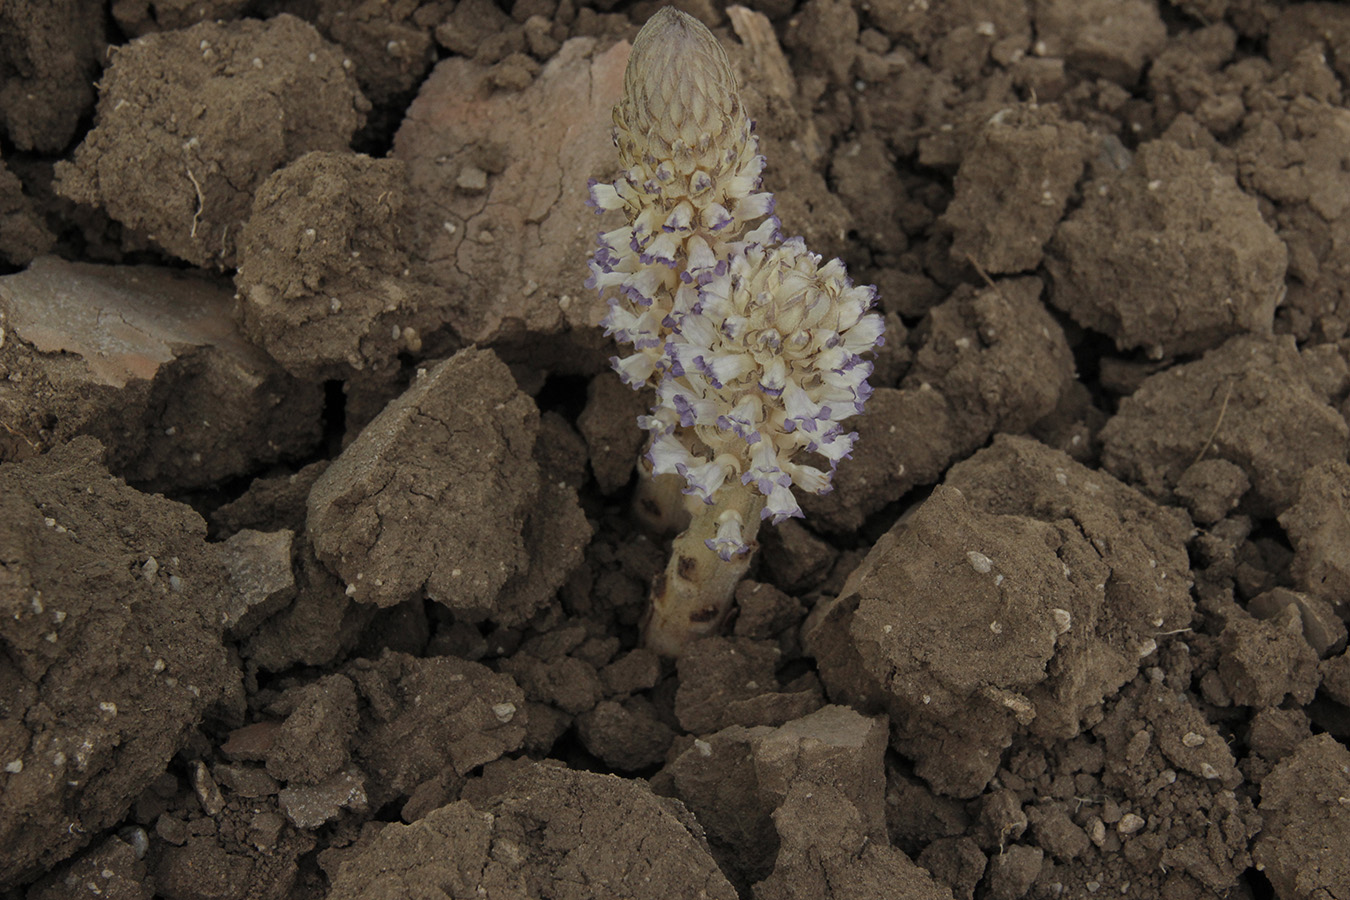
692,598
659,503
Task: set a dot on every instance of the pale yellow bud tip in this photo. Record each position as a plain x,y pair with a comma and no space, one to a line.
679,85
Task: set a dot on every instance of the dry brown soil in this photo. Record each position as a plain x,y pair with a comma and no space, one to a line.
320,566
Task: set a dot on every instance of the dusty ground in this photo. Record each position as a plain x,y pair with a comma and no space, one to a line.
319,571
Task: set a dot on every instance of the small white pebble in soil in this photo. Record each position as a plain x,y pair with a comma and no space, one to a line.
979,562
1191,739
14,766
504,712
1208,771
996,627
158,666
1147,647
1063,620
108,707
703,747
137,838
1130,823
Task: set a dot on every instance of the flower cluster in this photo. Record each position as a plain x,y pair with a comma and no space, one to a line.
754,346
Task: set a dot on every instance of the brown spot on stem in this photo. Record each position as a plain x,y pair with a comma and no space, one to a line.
685,568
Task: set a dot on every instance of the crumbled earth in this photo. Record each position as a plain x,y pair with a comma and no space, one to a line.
322,277
191,122
1132,262
324,550
501,553
52,52
148,360
525,829
113,607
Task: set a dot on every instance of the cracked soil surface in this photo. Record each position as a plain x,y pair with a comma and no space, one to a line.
322,557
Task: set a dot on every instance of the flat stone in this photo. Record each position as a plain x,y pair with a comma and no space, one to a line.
311,805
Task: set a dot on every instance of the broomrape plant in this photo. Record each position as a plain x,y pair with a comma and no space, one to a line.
754,346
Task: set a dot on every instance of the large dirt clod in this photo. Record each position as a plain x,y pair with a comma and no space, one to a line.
191,122
110,618
435,495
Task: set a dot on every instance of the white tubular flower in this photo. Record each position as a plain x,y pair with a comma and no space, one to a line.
728,543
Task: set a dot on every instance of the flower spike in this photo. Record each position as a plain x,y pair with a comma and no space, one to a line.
755,347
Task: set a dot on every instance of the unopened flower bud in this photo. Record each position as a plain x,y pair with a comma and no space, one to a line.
680,93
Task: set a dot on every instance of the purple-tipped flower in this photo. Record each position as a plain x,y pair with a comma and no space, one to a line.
729,542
